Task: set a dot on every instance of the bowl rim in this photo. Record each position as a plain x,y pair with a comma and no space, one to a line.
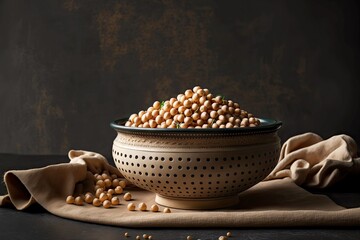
266,125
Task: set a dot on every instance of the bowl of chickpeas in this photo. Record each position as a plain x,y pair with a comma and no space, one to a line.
195,151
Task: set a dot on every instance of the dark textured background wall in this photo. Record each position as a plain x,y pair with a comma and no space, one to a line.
68,68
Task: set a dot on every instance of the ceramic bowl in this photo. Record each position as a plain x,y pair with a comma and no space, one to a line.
196,168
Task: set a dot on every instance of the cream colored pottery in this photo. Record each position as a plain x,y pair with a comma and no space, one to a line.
196,168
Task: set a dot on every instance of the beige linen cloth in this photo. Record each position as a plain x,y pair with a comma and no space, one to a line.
279,201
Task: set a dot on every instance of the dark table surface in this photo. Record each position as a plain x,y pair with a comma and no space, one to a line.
36,223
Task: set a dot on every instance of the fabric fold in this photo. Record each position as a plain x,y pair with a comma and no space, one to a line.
311,161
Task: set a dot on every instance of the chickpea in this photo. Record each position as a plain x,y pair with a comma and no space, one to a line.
187,112
142,206
108,183
143,118
223,238
100,183
70,200
218,99
106,204
194,107
118,190
188,93
180,118
176,104
96,202
156,105
221,112
167,116
152,123
229,125
181,109
115,201
207,104
145,236
224,108
204,116
131,207
195,116
103,196
188,238
202,100
78,201
200,122
173,111
215,106
187,103
228,234
168,122
172,100
132,116
127,196
167,210
203,109
98,191
252,120
154,208
159,119
213,114
89,198
196,88
155,113
195,97
188,121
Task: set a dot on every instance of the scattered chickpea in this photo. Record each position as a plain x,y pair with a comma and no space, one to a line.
228,234
111,191
131,207
137,238
189,238
106,204
96,202
119,190
126,234
122,184
70,200
145,236
78,201
150,237
89,198
127,196
103,196
100,183
154,208
115,201
223,238
142,206
167,210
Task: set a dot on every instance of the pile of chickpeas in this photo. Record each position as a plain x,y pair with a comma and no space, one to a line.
195,108
107,189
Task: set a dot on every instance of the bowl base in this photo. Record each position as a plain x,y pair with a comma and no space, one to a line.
203,203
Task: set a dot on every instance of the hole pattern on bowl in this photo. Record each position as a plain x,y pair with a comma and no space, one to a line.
203,176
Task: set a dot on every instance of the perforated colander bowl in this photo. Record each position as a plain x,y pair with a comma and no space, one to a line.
196,168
